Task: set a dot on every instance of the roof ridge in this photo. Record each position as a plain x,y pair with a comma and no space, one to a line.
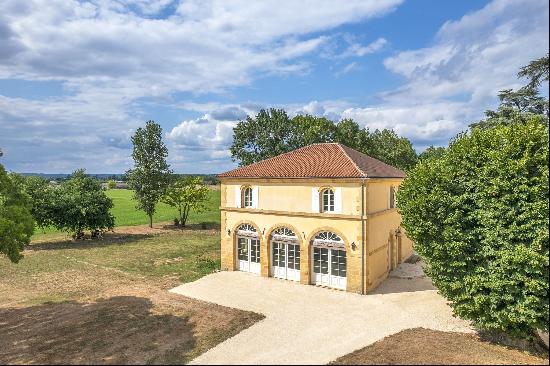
350,159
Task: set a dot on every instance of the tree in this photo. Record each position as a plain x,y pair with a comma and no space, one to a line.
111,184
42,197
310,130
82,205
519,106
479,217
350,134
387,146
537,71
432,152
269,134
272,133
186,194
16,222
151,172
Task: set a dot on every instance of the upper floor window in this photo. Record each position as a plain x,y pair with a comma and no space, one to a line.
246,197
327,200
393,199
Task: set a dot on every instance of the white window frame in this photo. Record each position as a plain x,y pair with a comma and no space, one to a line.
247,196
328,206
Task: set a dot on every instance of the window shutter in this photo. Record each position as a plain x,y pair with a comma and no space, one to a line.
237,196
338,200
255,197
314,199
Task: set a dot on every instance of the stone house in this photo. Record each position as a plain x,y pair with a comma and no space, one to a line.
323,215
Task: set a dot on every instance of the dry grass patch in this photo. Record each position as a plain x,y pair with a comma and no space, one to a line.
105,301
431,347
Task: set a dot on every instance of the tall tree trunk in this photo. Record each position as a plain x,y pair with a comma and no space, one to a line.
151,221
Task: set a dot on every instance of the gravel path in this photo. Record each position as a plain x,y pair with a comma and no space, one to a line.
312,325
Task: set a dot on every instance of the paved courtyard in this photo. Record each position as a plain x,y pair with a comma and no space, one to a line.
312,325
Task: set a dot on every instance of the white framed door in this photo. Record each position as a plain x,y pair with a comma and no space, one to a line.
248,254
329,267
285,259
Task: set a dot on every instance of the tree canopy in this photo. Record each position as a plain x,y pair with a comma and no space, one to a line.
80,204
272,132
186,194
151,173
478,215
16,222
477,212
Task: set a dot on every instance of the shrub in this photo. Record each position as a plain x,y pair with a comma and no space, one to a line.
81,205
479,217
16,222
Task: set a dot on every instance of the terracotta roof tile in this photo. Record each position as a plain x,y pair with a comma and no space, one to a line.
326,160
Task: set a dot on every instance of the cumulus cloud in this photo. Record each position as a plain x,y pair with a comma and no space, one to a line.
109,55
449,84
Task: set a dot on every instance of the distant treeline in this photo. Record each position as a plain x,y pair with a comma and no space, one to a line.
208,178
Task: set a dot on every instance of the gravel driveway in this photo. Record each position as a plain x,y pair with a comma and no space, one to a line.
312,325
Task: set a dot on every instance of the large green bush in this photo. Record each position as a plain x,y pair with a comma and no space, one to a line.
479,217
80,204
16,222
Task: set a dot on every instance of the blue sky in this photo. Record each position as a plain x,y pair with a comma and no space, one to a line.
78,77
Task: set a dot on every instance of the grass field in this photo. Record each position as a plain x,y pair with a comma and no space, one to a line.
126,214
105,301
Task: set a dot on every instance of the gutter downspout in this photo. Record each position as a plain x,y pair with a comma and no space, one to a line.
363,236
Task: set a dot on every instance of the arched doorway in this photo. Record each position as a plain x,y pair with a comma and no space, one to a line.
248,249
329,267
285,254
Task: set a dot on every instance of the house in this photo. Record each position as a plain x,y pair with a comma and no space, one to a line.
324,215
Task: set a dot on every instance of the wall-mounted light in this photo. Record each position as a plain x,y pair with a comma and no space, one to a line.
353,246
263,231
228,231
304,234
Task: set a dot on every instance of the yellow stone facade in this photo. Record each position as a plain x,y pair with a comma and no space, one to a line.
370,229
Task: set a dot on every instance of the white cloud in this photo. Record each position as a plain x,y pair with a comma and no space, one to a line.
110,54
358,50
451,83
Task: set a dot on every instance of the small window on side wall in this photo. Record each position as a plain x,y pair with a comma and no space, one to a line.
246,196
327,200
393,198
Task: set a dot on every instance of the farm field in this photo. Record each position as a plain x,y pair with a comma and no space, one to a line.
106,301
126,214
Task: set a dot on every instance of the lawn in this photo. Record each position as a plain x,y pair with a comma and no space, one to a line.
106,301
126,214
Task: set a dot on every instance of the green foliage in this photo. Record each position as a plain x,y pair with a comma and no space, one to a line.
537,71
272,133
151,172
111,184
43,199
519,106
432,152
81,204
387,146
479,217
16,222
186,194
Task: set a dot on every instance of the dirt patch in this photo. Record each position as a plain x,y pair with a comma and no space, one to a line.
102,302
131,322
430,347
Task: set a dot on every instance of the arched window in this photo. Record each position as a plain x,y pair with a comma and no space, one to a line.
284,232
246,198
247,228
327,200
328,236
